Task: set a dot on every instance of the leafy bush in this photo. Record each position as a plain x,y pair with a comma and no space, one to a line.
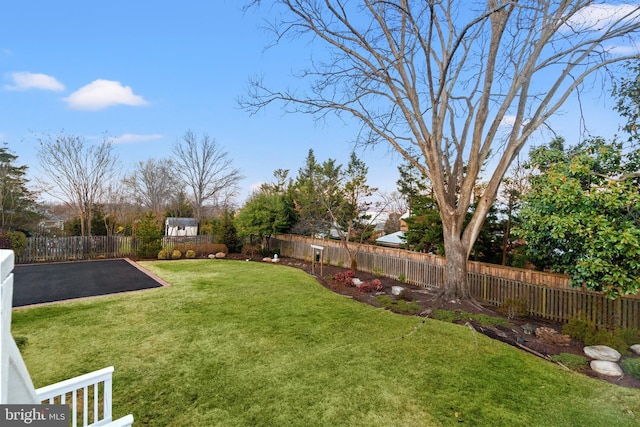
579,328
629,335
349,274
376,284
575,362
609,338
163,254
632,367
190,254
348,281
402,278
513,307
365,287
339,277
176,254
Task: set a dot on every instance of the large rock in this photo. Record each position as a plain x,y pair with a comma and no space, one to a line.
602,352
396,290
610,369
636,348
220,255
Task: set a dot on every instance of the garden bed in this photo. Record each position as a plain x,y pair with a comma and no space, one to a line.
481,317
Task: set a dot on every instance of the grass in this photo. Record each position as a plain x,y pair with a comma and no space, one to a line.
235,344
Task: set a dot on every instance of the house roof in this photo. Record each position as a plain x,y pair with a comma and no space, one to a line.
393,239
182,222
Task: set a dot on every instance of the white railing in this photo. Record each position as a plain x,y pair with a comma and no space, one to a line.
89,397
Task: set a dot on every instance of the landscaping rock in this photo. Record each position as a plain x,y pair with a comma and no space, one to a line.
602,352
396,290
357,282
529,329
266,259
636,348
211,256
607,368
220,255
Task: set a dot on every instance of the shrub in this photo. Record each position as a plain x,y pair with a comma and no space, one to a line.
201,249
376,284
629,335
14,240
176,254
348,281
377,271
190,254
513,307
163,254
575,362
579,328
339,277
610,339
365,287
150,234
632,367
402,278
349,274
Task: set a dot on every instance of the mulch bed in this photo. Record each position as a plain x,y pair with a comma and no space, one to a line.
429,301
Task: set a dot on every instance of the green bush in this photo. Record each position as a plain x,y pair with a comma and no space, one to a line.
402,278
176,254
513,307
608,338
163,254
150,234
629,335
632,367
579,328
190,254
575,362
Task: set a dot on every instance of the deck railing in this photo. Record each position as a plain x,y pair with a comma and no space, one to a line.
89,397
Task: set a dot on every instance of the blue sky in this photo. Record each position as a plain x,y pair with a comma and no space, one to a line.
145,72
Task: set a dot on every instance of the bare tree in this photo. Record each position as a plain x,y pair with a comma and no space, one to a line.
206,169
77,172
153,185
441,78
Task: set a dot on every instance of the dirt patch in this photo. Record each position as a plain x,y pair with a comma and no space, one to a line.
515,334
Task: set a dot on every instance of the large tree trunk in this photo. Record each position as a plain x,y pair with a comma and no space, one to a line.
455,282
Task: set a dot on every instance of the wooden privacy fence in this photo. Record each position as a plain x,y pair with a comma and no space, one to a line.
547,295
48,249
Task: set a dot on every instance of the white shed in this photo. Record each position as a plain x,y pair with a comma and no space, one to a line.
175,227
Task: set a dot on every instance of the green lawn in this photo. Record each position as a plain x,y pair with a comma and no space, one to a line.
234,343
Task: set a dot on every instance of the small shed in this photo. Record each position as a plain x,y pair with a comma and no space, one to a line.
178,227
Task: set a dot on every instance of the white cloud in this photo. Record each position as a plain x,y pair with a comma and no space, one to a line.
24,80
508,121
101,94
132,138
599,16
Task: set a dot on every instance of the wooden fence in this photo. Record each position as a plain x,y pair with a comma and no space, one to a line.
548,295
48,249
